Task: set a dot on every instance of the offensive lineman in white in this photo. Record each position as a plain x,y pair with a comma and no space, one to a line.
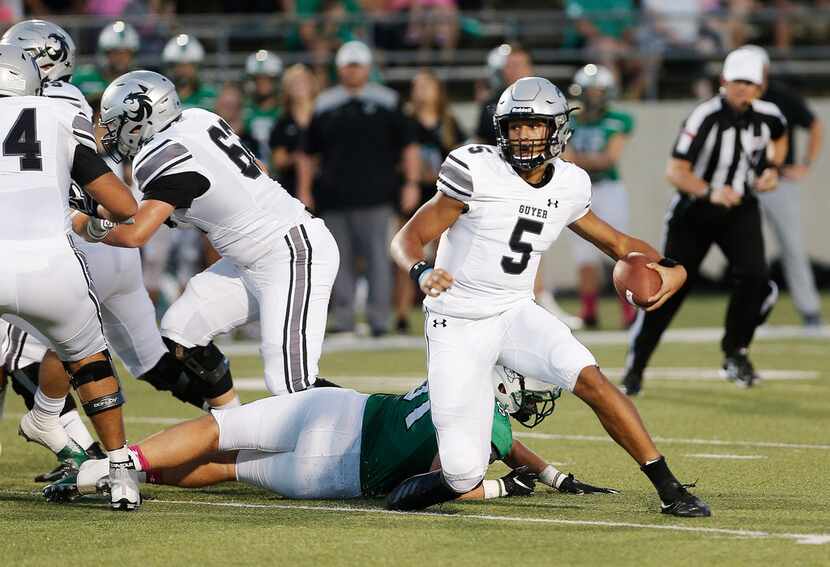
497,210
278,262
46,289
128,315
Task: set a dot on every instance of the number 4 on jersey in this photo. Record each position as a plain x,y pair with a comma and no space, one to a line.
22,141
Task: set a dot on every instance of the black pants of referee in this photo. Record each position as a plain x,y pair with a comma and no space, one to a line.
692,228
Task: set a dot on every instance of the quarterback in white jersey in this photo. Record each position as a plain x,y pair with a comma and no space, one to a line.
44,147
497,210
278,262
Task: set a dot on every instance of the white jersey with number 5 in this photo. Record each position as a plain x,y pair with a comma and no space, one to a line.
38,149
244,211
493,249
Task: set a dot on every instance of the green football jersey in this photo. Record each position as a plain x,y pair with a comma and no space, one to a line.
90,81
398,439
258,123
593,137
203,97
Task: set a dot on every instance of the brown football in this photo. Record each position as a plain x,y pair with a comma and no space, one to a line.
635,282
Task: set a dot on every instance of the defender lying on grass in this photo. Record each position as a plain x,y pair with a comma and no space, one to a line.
333,443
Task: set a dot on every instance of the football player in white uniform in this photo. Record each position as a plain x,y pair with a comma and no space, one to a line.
278,262
46,289
497,210
128,315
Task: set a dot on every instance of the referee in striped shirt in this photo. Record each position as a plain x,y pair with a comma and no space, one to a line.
728,150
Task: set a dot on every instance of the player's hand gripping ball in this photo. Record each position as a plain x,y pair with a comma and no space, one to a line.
635,282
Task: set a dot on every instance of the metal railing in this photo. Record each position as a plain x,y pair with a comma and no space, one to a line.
229,38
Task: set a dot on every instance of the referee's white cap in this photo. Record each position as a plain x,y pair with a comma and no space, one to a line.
744,65
353,53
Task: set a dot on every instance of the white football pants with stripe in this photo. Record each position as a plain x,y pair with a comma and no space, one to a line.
287,290
127,314
46,291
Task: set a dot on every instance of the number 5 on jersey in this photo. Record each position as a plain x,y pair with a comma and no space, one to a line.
518,245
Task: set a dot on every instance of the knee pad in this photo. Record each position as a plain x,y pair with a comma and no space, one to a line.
93,372
191,374
465,482
24,383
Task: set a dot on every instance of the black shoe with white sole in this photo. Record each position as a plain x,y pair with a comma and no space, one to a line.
739,369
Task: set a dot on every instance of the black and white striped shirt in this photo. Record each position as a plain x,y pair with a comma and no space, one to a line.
728,148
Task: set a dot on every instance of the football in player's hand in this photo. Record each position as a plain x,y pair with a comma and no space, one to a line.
635,282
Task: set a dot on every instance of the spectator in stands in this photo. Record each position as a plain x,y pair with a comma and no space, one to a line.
365,145
607,30
11,11
262,109
118,43
230,106
325,25
430,23
437,132
517,65
675,30
46,8
182,56
299,89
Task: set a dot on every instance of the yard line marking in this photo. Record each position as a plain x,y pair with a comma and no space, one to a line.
687,336
535,435
690,374
725,456
811,539
675,440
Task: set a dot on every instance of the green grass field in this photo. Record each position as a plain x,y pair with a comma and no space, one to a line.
760,458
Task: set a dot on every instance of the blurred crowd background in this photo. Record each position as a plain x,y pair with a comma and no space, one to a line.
436,65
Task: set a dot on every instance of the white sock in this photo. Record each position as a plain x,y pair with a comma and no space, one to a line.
121,455
45,415
231,404
76,429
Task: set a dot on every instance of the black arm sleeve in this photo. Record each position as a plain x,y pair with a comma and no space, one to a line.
177,189
87,166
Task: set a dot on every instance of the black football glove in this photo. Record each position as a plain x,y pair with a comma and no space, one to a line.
81,201
520,482
572,486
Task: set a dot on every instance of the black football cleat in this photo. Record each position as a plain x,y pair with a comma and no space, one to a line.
323,383
686,505
61,471
632,383
739,369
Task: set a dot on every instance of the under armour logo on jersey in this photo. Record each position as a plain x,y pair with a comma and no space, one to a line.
554,203
436,322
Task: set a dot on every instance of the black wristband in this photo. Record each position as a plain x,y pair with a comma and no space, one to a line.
417,269
667,262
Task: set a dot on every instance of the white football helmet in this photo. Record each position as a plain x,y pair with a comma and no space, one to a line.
496,59
532,98
134,107
118,35
263,62
51,47
183,48
527,400
598,78
19,74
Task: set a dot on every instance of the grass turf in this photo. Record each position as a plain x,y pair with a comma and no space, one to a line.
775,490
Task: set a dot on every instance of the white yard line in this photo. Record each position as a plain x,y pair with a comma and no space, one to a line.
725,456
690,374
675,441
813,539
688,336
